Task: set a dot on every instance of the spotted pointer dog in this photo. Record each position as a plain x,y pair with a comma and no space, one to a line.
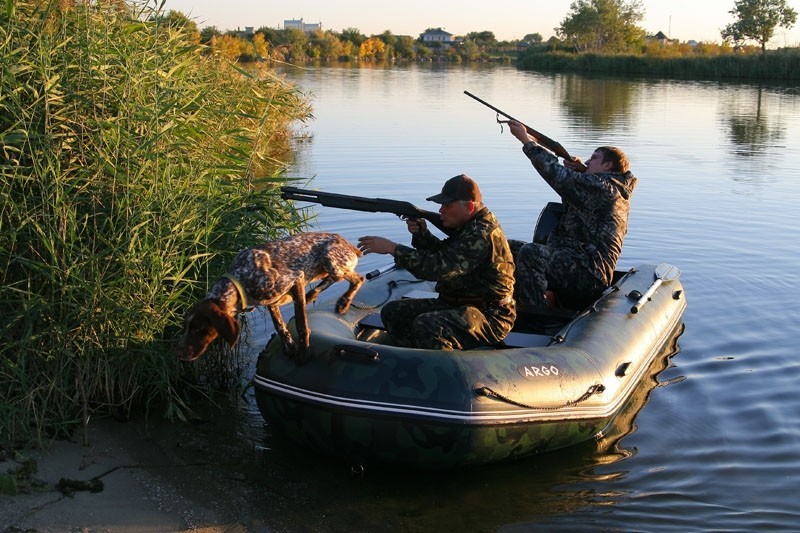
271,275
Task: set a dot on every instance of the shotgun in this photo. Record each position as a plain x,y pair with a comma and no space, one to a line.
357,203
541,138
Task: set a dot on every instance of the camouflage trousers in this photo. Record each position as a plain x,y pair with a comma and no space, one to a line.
539,267
431,324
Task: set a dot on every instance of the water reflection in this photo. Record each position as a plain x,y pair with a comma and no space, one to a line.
750,128
598,104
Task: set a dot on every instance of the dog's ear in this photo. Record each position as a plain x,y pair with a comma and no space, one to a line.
232,335
227,326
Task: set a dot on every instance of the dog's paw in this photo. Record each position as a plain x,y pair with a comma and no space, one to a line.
289,347
302,356
342,306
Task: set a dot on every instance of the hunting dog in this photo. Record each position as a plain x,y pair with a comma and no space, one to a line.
271,275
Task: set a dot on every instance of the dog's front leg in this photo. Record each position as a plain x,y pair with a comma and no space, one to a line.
343,304
300,319
282,330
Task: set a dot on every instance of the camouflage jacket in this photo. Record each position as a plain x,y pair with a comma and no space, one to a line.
473,263
595,218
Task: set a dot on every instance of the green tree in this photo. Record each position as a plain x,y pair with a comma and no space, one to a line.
603,25
208,33
532,38
404,47
424,52
757,19
482,38
388,38
470,51
353,35
325,45
295,42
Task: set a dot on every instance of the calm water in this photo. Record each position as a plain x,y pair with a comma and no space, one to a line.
715,445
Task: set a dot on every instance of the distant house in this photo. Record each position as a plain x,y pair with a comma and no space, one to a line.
299,24
437,35
661,38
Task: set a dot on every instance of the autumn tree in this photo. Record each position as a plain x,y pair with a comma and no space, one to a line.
260,46
228,46
603,25
372,48
757,19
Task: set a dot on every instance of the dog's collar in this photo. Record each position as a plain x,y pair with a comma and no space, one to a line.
239,289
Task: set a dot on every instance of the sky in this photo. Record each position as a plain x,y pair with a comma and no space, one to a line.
700,20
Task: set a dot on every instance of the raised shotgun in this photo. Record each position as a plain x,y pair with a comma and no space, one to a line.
541,138
358,203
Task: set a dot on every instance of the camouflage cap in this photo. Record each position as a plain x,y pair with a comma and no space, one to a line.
460,187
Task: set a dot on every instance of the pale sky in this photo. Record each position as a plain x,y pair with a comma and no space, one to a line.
700,20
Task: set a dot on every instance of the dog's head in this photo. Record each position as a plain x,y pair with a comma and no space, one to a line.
204,322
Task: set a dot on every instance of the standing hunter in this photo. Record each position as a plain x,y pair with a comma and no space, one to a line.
577,263
473,270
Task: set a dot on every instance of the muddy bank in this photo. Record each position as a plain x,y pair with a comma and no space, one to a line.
212,474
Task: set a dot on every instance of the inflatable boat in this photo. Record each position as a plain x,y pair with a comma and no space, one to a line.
560,378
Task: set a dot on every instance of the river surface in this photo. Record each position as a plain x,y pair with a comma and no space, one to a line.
714,443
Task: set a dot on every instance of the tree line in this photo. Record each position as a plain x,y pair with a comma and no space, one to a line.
590,26
295,45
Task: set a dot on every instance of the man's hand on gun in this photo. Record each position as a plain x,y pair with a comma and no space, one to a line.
576,164
416,225
519,131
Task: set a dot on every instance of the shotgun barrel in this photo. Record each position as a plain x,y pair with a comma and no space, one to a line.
541,138
358,203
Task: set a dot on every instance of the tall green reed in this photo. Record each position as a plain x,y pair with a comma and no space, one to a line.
132,168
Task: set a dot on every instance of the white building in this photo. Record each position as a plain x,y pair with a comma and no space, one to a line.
437,36
298,24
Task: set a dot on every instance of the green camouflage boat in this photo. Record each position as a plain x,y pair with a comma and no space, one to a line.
560,378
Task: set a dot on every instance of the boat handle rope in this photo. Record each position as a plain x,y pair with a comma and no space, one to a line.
489,393
393,284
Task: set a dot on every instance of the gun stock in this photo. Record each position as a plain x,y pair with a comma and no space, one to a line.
358,203
540,137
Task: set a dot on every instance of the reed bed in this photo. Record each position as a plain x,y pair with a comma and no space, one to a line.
775,65
132,168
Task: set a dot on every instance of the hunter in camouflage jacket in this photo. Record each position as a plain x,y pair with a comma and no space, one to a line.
474,273
580,255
